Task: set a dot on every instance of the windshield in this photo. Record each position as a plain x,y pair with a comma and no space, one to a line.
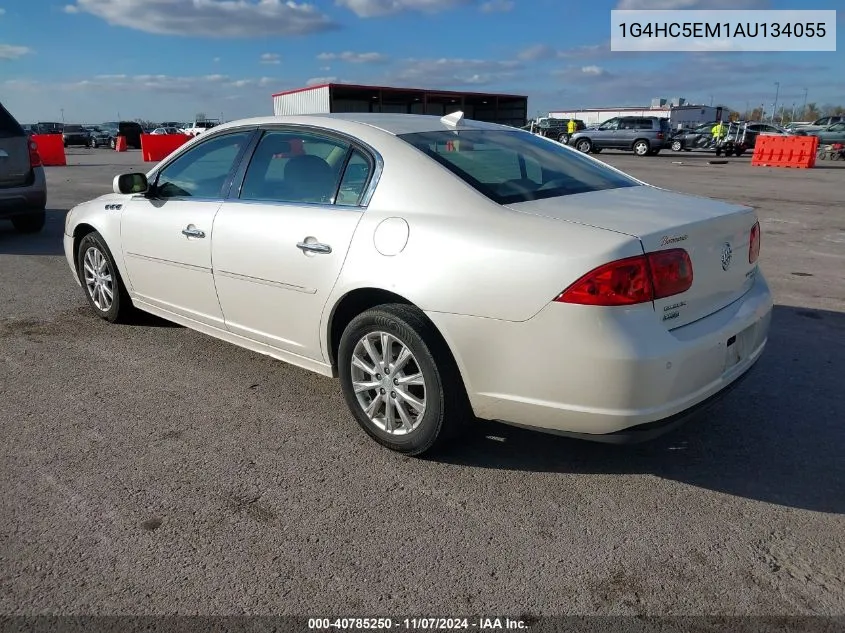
510,167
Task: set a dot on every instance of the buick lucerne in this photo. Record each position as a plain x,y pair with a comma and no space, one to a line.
443,269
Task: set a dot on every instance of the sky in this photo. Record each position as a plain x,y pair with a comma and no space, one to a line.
89,61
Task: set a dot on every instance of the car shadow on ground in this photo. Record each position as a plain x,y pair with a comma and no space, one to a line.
48,241
778,438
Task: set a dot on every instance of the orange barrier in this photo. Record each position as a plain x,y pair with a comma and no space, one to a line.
51,148
156,147
120,144
785,151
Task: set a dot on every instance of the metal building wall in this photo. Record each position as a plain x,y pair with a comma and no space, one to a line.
311,101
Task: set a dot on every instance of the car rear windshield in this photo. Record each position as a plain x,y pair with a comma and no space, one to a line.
74,128
512,166
9,127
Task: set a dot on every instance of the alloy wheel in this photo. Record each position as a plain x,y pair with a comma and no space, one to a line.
388,383
98,279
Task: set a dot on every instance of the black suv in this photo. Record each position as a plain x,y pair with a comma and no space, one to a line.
75,135
644,135
110,131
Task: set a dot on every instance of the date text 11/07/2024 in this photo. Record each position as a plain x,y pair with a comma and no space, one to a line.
419,624
717,30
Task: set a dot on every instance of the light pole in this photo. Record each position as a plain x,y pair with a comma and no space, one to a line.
775,106
804,107
63,115
792,119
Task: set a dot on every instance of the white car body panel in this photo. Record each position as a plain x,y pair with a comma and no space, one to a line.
269,289
166,268
485,274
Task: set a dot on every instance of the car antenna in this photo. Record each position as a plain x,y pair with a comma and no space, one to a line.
453,120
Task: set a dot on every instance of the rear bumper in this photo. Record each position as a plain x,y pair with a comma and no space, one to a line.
32,198
611,375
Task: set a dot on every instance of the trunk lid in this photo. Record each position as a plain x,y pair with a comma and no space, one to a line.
14,161
715,234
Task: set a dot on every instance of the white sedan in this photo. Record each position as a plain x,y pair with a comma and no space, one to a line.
443,269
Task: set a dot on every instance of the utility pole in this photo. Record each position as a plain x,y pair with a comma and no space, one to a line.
775,106
63,115
804,107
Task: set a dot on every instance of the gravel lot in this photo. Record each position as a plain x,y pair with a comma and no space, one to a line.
148,469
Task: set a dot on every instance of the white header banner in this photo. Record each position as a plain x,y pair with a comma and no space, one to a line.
722,30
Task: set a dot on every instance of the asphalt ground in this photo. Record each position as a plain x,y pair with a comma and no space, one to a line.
149,469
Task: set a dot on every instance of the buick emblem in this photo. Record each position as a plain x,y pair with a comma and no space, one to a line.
727,255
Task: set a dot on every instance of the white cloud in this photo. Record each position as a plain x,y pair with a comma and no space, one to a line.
216,60
537,52
9,51
593,70
376,8
316,81
497,6
2,11
353,58
271,58
433,73
210,18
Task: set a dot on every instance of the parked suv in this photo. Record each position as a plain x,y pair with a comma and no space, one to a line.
23,188
76,135
129,129
646,136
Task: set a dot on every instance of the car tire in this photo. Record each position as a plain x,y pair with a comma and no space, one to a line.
718,151
738,152
30,223
641,147
677,146
94,262
584,145
563,138
434,383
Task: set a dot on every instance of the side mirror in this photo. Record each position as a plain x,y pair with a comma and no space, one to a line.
130,183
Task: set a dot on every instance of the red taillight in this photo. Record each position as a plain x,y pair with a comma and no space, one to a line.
754,243
619,283
34,156
633,280
660,135
671,272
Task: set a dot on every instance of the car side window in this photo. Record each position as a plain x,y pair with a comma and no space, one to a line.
202,171
355,179
645,124
610,124
295,167
627,124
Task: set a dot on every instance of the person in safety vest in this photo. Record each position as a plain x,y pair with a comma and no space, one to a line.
571,127
719,131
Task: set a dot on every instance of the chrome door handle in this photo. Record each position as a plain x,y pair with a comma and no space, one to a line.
314,247
192,231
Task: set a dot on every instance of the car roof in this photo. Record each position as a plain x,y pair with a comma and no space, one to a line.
391,123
